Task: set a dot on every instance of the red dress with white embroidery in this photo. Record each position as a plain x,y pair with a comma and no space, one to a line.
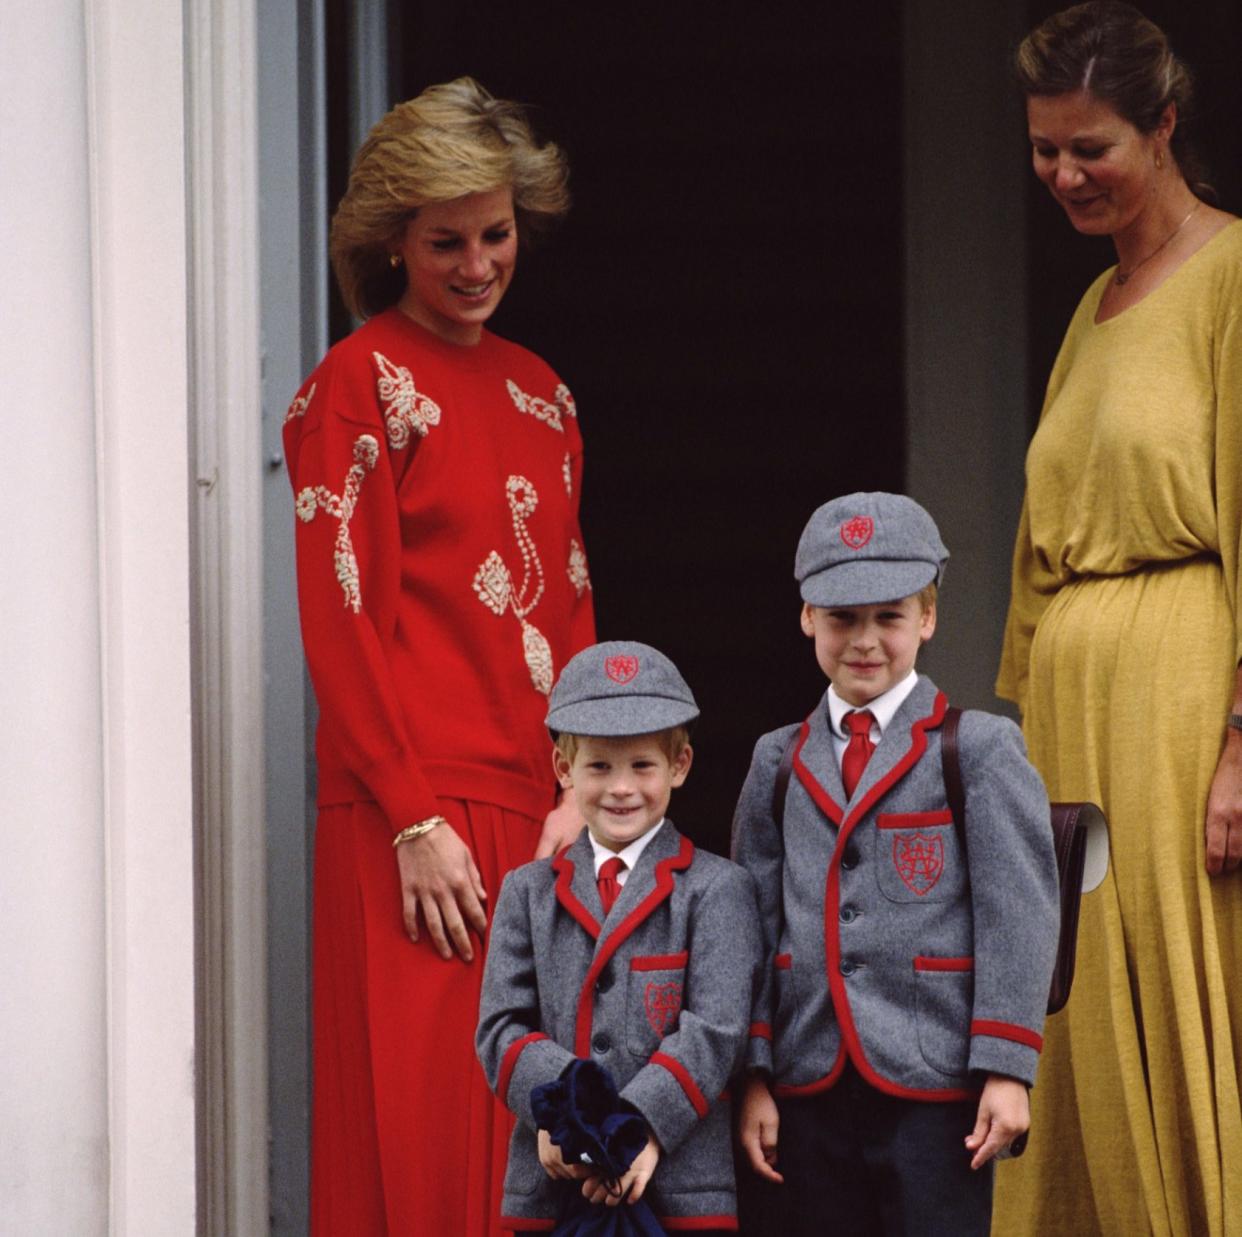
442,584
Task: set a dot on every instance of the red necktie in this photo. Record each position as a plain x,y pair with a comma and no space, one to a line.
609,886
858,750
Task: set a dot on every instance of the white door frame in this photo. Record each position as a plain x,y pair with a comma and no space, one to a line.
222,254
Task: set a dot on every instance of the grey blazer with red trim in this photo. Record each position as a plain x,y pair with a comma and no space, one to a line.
882,946
659,994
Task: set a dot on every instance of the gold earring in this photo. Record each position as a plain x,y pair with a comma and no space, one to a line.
1159,159
394,259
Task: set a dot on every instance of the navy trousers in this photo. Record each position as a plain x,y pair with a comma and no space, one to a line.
860,1162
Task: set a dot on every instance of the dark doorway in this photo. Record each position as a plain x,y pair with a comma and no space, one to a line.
724,301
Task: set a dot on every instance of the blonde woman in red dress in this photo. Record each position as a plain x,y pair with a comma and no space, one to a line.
442,582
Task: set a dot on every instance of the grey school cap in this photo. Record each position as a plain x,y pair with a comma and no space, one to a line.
618,688
866,548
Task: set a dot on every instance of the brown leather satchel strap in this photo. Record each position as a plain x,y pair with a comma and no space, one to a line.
780,788
952,767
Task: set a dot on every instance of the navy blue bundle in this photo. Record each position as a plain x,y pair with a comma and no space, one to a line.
591,1124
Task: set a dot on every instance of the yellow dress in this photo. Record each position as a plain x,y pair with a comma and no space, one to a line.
1120,649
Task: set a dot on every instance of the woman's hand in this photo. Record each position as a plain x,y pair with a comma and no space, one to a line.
554,1162
757,1127
630,1188
562,826
1223,823
440,879
1004,1113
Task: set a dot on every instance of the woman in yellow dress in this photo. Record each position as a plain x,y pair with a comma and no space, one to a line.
1122,650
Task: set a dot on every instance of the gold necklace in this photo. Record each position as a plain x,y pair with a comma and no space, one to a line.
1121,279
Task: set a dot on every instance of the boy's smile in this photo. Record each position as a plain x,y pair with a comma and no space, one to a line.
865,650
621,785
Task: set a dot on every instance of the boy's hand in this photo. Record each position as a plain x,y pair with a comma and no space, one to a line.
554,1163
757,1127
561,826
630,1188
1004,1113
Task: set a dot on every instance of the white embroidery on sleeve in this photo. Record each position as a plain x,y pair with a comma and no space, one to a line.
319,498
493,584
579,577
567,471
405,409
301,404
549,413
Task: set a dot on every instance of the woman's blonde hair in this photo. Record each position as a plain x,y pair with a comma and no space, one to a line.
453,139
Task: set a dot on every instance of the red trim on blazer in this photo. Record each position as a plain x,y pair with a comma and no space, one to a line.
913,820
760,1030
820,1084
1007,1030
659,962
509,1061
943,964
851,1043
918,745
688,1085
563,866
663,887
823,800
520,1224
783,962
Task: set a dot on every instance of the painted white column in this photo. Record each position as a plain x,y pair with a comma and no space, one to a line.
136,104
97,1119
53,1048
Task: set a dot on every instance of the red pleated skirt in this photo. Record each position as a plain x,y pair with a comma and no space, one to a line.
407,1140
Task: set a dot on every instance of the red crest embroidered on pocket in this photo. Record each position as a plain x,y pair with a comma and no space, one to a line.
621,669
857,532
919,860
662,1003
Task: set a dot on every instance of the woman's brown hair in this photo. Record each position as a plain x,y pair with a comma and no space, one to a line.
1110,50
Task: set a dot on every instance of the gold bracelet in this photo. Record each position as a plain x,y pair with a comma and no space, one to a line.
410,832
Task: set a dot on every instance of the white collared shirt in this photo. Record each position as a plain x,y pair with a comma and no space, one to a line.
882,710
628,856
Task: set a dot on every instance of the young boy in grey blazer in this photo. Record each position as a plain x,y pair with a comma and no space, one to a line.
900,1018
647,965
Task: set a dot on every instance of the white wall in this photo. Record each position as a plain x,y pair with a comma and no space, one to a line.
96,845
53,1118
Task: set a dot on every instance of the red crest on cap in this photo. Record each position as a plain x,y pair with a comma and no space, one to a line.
621,669
856,532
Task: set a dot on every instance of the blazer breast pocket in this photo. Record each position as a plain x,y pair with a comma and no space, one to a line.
653,1003
917,857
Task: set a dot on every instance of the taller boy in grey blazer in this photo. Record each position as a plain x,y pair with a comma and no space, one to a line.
901,1015
657,988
